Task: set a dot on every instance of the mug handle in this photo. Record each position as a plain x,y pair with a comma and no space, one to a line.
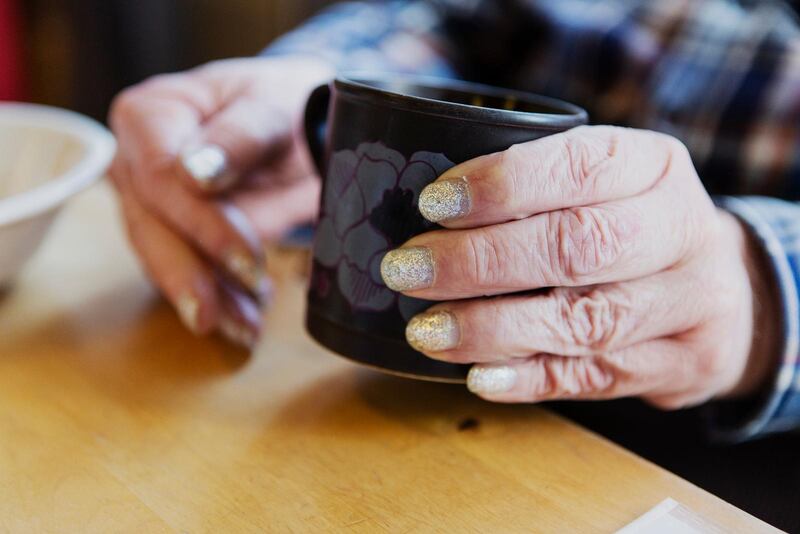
315,124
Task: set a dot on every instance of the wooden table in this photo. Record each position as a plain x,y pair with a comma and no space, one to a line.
114,419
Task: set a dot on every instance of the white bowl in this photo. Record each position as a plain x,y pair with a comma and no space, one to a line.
47,155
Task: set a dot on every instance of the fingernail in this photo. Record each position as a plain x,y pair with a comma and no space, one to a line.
189,311
491,380
407,268
237,333
445,199
207,164
247,270
433,331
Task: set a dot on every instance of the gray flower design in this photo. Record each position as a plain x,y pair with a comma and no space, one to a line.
359,186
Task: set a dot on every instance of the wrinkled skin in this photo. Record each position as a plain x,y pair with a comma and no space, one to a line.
654,290
653,287
252,109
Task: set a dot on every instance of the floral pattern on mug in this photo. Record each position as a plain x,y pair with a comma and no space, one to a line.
370,207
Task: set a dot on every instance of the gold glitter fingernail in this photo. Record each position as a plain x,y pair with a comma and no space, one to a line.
445,199
485,380
433,331
407,268
188,308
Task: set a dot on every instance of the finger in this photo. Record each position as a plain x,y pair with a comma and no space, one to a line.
651,368
249,128
584,321
582,246
204,301
244,134
585,165
151,130
240,319
280,206
209,139
183,277
215,228
153,120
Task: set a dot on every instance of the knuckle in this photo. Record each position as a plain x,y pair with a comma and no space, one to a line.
573,377
676,147
578,172
592,320
591,159
124,104
131,96
588,241
133,100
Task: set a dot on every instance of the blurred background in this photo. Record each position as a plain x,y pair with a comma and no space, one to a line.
79,53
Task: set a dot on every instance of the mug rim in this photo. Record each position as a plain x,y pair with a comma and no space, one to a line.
357,84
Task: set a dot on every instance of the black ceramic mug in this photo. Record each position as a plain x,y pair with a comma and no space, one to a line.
377,142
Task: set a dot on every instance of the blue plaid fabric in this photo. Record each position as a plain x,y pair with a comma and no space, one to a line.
721,75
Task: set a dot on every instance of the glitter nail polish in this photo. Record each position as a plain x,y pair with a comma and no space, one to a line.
433,331
207,164
236,333
247,270
407,268
486,380
446,199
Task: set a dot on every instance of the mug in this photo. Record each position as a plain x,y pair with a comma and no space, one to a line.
377,142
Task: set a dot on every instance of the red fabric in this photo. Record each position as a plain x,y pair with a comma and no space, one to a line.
11,68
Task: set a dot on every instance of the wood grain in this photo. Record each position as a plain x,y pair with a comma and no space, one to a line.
114,419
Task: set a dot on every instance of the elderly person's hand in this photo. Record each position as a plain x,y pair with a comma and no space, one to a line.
653,292
208,166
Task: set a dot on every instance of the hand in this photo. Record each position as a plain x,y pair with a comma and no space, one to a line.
651,288
208,167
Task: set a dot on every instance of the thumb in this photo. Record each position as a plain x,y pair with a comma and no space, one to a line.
239,138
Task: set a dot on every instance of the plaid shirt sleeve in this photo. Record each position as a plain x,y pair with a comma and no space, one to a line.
776,225
721,75
389,36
